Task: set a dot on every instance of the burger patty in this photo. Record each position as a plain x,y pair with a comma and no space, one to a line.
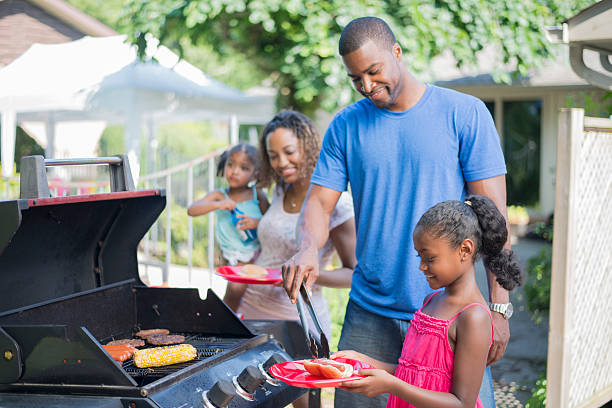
143,334
164,340
129,342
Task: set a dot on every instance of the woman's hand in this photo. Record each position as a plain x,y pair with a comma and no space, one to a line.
246,222
376,382
227,204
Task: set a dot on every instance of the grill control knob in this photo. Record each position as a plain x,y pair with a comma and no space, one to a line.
221,394
250,378
274,359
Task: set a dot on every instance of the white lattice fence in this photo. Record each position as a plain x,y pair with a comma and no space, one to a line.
580,338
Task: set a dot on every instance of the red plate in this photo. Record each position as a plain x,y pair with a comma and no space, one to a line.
294,373
231,274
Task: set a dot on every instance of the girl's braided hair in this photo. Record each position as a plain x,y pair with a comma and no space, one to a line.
477,219
249,150
309,141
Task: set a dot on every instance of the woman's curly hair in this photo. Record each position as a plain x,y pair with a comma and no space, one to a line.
309,141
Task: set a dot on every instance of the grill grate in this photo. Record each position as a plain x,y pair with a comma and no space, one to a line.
207,347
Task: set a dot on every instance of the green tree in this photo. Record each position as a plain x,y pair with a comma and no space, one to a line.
234,69
294,42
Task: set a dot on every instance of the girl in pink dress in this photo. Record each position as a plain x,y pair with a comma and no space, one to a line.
445,350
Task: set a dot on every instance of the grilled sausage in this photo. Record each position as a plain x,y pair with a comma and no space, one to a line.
120,353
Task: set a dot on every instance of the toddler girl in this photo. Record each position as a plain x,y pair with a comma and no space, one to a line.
239,202
445,351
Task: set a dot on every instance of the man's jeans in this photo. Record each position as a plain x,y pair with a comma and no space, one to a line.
382,338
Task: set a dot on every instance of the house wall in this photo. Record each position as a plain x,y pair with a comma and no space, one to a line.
22,24
553,99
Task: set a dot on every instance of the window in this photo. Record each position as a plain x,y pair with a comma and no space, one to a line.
521,146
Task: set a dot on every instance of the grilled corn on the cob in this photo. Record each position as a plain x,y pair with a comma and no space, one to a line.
162,356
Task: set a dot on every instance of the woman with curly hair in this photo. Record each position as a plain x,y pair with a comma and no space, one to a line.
290,146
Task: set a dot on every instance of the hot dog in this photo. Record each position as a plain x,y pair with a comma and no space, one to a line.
120,352
324,367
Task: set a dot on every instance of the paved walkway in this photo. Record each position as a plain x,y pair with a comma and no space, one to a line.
514,376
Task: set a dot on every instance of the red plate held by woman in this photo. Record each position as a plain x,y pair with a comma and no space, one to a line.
240,274
294,373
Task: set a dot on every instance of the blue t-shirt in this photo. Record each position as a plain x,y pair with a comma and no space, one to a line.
399,164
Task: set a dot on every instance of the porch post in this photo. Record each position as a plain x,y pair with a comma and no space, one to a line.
132,141
50,131
8,119
233,125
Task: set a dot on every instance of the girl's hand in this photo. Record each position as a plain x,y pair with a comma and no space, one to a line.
246,222
353,355
376,382
227,204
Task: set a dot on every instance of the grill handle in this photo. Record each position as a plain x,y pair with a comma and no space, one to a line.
33,178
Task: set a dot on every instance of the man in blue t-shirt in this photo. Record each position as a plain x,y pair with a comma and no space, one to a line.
403,148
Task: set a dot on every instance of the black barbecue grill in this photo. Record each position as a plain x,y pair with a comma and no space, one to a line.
69,283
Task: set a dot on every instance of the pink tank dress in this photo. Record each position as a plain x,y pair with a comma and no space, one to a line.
427,359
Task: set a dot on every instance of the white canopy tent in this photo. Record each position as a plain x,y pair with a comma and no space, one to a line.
102,79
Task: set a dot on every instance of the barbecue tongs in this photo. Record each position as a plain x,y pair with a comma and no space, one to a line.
304,300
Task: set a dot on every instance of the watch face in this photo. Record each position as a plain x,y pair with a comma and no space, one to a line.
509,311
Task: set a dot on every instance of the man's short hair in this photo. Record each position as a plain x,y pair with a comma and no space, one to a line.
364,29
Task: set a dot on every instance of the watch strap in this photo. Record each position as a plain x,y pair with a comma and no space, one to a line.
500,308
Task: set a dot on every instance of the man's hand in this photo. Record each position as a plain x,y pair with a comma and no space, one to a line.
303,266
376,382
501,336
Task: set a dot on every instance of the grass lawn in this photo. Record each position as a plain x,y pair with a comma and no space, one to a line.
336,300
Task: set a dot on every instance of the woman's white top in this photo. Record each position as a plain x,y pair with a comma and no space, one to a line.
277,236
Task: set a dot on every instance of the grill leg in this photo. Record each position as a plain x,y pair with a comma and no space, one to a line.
314,398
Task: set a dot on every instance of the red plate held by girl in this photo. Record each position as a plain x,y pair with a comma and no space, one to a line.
294,373
236,274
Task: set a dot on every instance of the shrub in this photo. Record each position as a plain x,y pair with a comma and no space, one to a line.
179,236
537,286
539,270
538,394
517,214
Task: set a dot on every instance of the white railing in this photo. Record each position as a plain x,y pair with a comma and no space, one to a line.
180,183
9,187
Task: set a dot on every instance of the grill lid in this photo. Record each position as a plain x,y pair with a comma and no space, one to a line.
56,247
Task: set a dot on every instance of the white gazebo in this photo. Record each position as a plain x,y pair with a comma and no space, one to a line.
102,79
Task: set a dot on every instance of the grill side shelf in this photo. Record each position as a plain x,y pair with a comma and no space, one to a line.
65,355
10,361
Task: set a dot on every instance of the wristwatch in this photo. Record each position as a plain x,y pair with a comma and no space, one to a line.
505,309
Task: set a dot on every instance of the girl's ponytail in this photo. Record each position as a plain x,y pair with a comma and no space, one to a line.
493,237
221,163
